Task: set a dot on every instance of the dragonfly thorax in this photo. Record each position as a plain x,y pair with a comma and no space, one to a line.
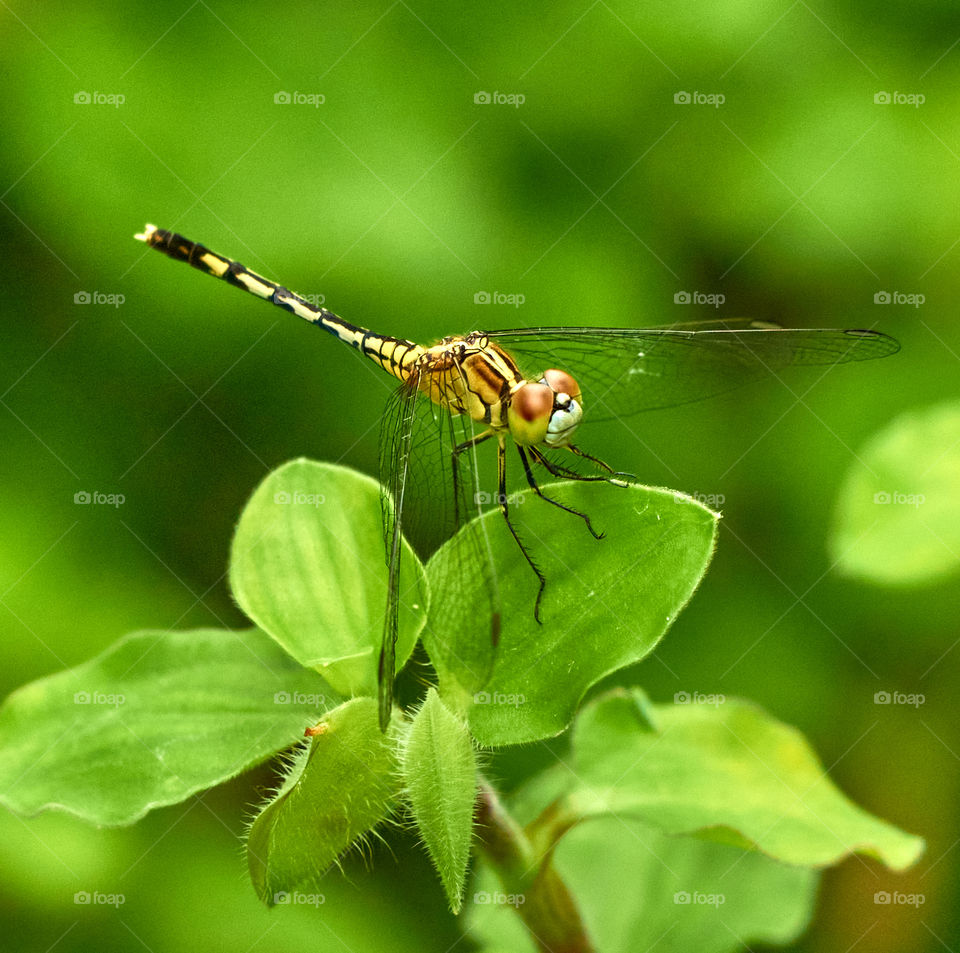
547,411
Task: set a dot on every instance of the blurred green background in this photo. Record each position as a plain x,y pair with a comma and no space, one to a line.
399,198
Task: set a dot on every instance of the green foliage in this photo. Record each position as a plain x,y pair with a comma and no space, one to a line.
150,721
897,518
335,792
607,604
726,772
696,790
639,889
307,566
440,776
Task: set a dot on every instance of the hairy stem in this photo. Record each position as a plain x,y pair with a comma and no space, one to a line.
545,905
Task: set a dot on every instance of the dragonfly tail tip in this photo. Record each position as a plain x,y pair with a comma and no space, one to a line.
144,236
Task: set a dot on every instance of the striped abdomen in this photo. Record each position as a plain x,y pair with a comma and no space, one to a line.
394,355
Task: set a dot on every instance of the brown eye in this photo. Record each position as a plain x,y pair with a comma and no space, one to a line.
562,383
533,402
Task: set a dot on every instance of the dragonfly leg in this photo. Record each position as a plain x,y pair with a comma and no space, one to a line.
616,476
536,489
504,509
559,470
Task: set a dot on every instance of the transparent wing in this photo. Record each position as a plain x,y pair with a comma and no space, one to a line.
623,371
395,447
427,498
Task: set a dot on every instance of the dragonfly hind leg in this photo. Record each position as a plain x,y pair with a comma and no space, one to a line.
531,479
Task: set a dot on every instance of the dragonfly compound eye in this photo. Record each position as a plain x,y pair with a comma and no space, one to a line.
562,383
530,413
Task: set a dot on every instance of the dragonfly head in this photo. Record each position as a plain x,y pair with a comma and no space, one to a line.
545,411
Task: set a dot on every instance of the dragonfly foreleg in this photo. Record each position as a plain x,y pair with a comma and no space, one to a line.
504,509
536,489
616,476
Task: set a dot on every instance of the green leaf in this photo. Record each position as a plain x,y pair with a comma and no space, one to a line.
440,774
336,791
728,772
155,718
638,889
607,602
307,565
897,519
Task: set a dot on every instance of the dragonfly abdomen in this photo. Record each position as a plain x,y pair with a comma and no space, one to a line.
394,355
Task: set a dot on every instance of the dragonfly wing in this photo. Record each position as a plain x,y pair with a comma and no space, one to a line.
623,371
427,498
396,435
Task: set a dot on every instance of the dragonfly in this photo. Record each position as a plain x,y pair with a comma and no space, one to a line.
529,387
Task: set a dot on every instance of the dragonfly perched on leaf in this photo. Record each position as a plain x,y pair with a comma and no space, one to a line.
530,387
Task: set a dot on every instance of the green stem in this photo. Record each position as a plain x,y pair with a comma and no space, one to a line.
547,908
